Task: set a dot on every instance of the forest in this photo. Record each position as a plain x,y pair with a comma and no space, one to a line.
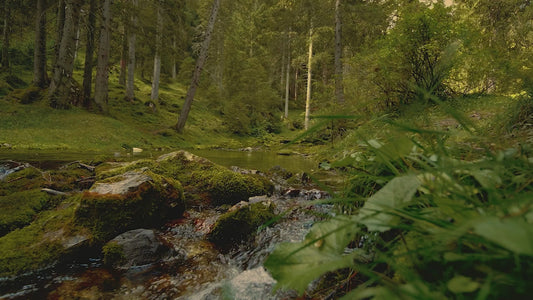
274,149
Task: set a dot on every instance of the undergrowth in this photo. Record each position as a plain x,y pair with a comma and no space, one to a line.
420,220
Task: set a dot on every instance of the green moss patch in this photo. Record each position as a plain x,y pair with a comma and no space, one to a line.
19,209
239,225
41,243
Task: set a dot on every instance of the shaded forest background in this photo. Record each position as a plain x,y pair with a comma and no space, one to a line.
366,56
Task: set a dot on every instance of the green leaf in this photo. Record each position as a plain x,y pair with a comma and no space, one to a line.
487,178
462,284
376,215
513,234
295,265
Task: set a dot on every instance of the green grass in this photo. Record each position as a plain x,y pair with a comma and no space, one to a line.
37,127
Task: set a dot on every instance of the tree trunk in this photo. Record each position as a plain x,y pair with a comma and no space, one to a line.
339,86
123,55
62,82
174,67
198,68
6,33
89,52
39,53
130,94
309,73
102,67
59,29
287,77
157,58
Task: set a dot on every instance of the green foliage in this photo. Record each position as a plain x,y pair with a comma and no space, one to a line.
438,228
417,54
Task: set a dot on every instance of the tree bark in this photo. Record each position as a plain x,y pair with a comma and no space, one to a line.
339,86
130,94
89,52
174,67
309,82
123,58
287,77
157,58
62,82
39,53
60,23
198,68
102,69
5,36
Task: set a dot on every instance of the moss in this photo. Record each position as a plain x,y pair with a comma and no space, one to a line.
113,254
19,209
149,205
236,226
39,244
27,179
107,170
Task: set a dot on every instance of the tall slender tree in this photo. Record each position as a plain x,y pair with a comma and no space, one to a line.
198,68
89,53
339,86
62,82
102,67
309,76
6,35
132,37
60,23
39,54
157,57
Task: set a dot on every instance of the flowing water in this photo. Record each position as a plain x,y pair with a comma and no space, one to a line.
205,272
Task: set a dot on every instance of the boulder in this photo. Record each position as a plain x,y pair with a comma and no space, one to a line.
132,200
240,224
136,248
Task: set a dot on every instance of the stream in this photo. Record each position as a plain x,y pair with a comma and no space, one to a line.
206,272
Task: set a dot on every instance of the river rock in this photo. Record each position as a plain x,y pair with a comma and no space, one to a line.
240,224
129,201
137,248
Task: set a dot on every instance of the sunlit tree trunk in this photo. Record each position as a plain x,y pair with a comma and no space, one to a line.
157,58
198,68
309,73
130,94
89,52
102,69
287,77
39,53
339,87
5,35
62,81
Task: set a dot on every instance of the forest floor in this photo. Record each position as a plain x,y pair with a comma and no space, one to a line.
470,123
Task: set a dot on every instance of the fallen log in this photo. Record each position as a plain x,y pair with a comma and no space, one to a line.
53,192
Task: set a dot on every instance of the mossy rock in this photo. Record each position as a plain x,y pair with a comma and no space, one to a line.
50,237
241,224
26,179
204,181
19,209
221,185
113,254
132,200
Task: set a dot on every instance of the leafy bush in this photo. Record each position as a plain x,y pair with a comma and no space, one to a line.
438,228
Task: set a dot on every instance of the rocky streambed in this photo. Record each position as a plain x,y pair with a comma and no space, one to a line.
175,227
